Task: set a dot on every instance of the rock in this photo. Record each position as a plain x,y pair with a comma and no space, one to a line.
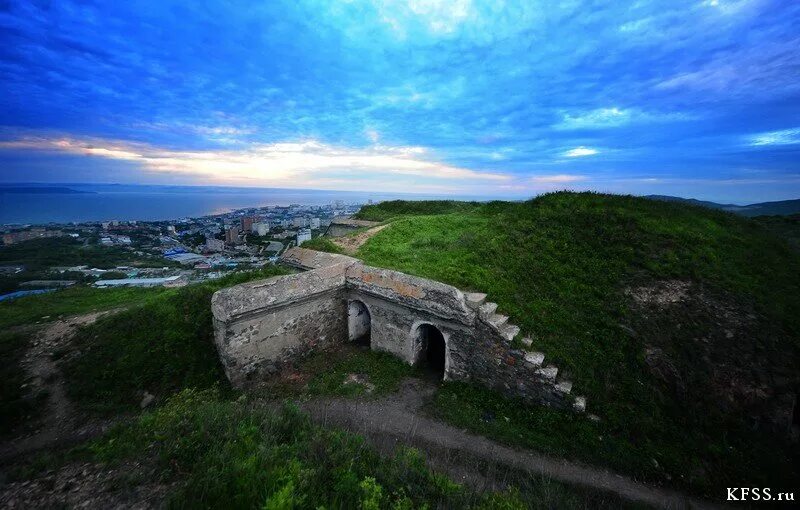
580,404
527,342
549,372
564,386
146,400
534,358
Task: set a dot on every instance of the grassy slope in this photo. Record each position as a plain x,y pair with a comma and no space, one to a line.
557,266
160,347
72,301
228,454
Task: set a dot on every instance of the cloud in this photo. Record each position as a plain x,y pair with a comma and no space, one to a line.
782,137
559,178
615,117
289,164
579,152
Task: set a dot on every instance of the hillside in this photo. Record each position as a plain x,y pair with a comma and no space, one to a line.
778,208
680,323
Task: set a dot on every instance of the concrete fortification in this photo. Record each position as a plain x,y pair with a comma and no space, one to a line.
261,325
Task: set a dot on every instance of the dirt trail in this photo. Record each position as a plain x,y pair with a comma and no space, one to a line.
58,423
399,419
351,244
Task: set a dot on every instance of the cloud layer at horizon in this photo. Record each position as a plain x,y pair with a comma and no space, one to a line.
696,98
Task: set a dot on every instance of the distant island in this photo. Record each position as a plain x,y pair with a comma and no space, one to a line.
40,190
779,208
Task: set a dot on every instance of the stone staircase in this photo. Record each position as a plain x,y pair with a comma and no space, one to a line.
533,360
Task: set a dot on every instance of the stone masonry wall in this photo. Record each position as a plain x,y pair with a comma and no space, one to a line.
260,325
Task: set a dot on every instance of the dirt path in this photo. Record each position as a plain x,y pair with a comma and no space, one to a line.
351,244
58,423
399,419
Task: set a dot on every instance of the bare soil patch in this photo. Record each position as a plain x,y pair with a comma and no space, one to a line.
351,244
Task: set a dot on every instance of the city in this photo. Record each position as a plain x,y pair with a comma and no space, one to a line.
161,253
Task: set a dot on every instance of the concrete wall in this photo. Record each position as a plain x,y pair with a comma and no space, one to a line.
261,325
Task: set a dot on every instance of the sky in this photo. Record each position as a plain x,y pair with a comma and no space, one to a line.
496,98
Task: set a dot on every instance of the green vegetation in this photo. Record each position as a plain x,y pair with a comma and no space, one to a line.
14,406
560,266
161,347
344,370
322,243
39,254
394,208
787,227
72,301
226,454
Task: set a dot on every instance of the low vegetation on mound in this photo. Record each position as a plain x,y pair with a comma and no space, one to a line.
15,405
28,311
680,324
160,347
229,454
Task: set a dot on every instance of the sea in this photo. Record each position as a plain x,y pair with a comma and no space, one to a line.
31,204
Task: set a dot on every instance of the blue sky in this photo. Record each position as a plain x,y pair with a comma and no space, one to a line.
504,98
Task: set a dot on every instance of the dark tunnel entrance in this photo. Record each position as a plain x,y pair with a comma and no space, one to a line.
434,351
359,324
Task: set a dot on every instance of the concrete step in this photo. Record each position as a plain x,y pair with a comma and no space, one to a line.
549,372
509,331
487,309
497,320
475,299
534,358
564,387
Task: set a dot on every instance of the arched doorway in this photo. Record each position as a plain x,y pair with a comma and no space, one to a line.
358,323
433,351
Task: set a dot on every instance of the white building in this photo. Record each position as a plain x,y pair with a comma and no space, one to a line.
299,221
261,228
303,235
314,223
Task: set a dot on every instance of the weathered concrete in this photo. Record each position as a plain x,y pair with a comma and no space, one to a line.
343,225
260,325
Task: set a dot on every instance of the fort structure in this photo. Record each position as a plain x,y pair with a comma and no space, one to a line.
261,325
343,225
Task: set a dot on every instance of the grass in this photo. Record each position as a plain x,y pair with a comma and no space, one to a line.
72,301
394,208
228,454
41,254
161,347
559,266
323,243
326,373
15,406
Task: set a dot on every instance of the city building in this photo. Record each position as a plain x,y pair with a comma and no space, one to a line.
247,224
214,244
285,223
314,223
232,235
299,222
303,235
261,228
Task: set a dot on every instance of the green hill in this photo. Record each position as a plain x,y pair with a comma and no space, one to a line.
679,323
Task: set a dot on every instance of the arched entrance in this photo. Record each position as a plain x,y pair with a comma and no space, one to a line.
433,351
358,323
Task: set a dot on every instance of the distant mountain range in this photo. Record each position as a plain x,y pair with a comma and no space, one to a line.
780,208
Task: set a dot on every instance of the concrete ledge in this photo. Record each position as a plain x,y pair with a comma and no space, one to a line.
303,258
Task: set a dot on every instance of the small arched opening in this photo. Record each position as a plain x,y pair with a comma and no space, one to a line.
433,350
358,323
